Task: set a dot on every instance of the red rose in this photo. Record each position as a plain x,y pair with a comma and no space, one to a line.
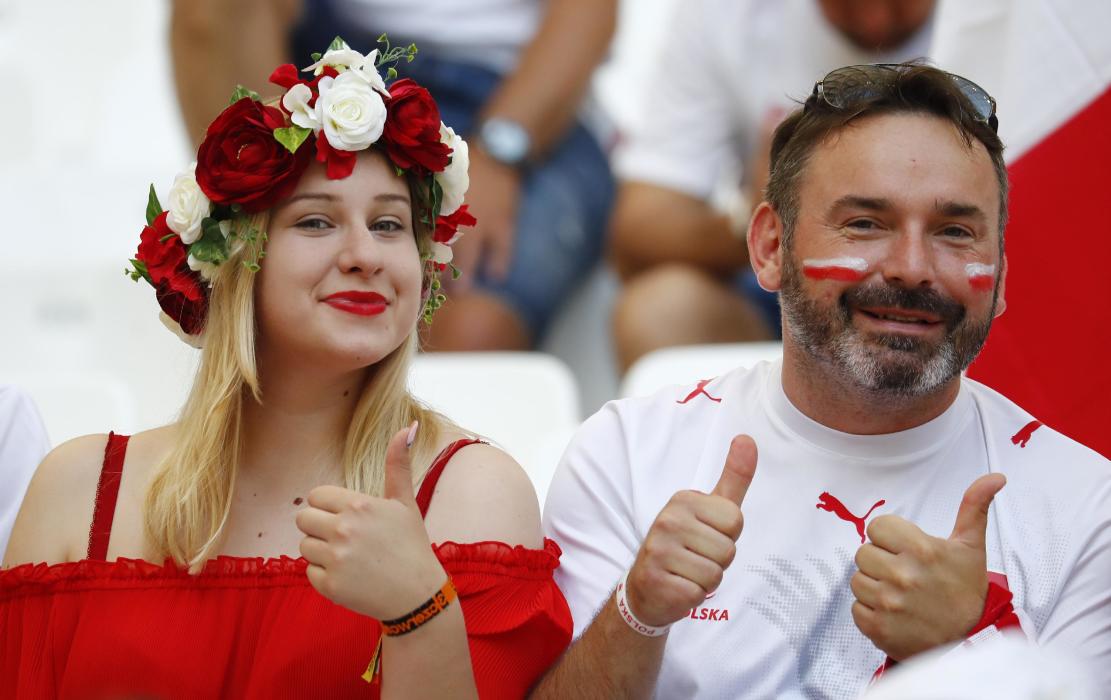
181,292
338,164
447,226
240,161
160,249
184,298
412,131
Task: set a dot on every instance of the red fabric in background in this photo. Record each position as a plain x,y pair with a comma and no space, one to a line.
1051,351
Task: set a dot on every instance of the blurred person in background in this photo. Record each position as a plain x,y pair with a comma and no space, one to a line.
697,160
23,444
897,506
301,250
511,75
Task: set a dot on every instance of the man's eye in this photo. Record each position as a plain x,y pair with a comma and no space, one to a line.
956,232
863,224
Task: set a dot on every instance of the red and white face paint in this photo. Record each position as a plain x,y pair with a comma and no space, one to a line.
981,277
840,269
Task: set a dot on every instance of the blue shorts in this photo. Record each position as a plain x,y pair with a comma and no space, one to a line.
565,203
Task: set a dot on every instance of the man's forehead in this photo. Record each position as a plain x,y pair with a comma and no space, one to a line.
900,158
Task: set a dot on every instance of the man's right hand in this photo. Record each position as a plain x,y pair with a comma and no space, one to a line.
691,543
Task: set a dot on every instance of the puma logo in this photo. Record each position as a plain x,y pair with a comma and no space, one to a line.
701,389
826,501
1023,436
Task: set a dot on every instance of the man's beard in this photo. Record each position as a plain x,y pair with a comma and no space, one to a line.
887,364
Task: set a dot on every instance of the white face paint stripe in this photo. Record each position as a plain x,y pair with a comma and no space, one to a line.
858,264
979,269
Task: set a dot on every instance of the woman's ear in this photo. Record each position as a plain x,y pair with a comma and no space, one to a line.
765,252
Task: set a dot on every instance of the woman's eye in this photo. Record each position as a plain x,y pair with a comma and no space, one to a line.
313,224
387,226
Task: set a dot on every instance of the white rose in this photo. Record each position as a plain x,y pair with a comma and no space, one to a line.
340,59
297,102
187,206
441,253
454,179
196,341
207,269
369,73
351,113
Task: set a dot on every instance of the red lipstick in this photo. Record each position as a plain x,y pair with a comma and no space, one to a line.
358,303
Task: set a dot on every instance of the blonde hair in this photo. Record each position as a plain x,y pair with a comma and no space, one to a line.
190,496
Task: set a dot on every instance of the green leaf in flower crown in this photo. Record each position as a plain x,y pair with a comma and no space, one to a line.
211,246
337,44
154,208
316,56
292,136
391,73
139,270
437,198
241,92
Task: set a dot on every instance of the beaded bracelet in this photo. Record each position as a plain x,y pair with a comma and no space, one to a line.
407,623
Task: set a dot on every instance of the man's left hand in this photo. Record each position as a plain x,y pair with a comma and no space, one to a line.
915,592
492,198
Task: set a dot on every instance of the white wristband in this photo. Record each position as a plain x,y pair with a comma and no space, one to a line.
628,616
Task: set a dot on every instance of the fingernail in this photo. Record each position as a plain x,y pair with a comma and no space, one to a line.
412,434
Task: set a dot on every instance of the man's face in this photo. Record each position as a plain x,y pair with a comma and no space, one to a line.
892,275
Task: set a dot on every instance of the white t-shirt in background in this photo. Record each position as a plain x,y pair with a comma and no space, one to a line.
780,625
487,32
728,67
23,444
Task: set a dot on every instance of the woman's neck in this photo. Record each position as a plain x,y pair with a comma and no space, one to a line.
297,431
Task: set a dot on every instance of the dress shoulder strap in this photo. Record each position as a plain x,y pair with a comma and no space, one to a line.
424,496
107,489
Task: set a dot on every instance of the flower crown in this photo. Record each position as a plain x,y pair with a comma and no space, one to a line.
254,153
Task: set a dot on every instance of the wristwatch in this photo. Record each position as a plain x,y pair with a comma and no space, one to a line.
504,140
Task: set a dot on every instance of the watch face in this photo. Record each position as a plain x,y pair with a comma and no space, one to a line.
506,141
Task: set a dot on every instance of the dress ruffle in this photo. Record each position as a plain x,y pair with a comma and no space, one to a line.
496,558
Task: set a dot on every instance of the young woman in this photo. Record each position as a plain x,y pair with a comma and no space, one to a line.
302,251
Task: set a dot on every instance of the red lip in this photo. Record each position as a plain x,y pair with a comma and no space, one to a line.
358,303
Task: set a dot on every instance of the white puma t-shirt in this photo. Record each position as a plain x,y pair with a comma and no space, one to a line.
780,624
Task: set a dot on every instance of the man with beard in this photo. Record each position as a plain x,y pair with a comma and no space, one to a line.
897,506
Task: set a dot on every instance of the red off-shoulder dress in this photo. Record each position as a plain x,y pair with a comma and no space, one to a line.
252,627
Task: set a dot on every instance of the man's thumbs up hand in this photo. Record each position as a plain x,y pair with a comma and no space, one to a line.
740,467
691,543
915,592
972,516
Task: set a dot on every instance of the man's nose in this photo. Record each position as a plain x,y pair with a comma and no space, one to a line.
909,261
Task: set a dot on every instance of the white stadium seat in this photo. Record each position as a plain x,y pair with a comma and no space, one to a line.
687,364
527,403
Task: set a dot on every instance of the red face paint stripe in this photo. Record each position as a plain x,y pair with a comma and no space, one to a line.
981,277
841,274
982,283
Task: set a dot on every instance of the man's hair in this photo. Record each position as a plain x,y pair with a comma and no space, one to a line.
913,88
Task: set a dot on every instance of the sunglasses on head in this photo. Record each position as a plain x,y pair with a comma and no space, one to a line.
843,87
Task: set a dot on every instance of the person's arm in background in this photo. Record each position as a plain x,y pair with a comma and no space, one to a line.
674,155
542,94
653,225
218,44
